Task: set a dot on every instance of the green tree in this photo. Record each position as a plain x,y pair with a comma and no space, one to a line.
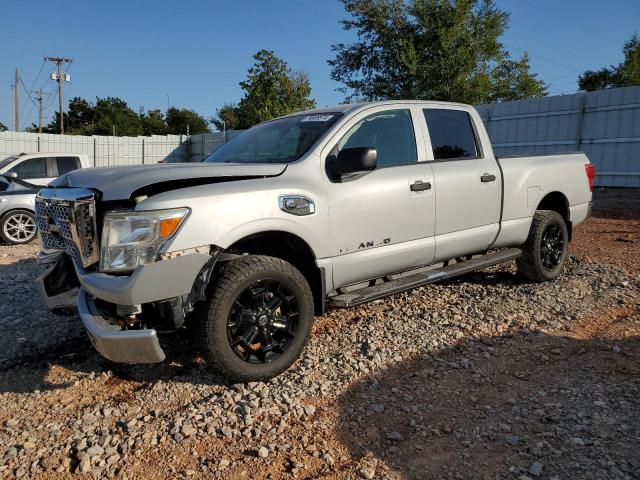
430,49
227,118
3,127
624,74
271,89
79,119
114,117
178,119
153,122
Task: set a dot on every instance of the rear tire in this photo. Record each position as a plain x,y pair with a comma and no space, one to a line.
257,318
545,250
18,227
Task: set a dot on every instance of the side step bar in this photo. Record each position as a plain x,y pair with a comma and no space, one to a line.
375,292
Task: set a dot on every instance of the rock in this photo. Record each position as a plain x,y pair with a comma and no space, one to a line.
309,409
367,472
535,469
395,436
511,439
577,441
224,463
188,430
95,450
263,452
378,408
328,459
85,464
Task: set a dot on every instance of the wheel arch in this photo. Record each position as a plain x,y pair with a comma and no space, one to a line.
290,248
557,202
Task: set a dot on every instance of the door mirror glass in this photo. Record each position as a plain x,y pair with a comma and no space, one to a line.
356,159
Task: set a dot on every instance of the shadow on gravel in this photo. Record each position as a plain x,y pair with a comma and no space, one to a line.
493,407
78,358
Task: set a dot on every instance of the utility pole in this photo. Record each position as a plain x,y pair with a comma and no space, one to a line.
16,102
59,77
40,96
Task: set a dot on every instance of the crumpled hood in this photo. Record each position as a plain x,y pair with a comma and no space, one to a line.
120,183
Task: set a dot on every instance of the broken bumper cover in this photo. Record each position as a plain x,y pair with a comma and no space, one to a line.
123,346
148,283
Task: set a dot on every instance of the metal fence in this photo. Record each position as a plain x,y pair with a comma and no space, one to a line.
113,151
605,125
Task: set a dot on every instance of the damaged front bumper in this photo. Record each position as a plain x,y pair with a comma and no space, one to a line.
65,285
123,346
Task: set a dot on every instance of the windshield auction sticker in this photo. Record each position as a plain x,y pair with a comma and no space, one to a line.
317,118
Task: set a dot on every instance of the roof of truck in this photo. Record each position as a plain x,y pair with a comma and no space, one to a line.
346,107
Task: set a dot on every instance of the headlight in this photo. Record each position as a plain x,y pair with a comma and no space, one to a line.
130,239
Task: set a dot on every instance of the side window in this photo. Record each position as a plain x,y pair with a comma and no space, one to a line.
451,133
67,164
32,168
390,133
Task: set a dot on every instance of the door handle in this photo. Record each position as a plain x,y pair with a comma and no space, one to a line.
420,186
487,177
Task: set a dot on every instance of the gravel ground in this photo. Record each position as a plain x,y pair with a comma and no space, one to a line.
483,377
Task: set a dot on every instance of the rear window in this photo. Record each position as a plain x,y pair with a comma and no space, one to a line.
451,132
67,164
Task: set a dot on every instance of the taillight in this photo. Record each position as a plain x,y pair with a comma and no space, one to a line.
590,170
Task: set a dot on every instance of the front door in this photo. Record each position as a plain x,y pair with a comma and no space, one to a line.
33,170
378,222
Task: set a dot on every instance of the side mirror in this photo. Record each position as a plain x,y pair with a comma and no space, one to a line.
353,160
11,174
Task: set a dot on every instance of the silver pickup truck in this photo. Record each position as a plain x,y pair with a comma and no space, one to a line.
326,208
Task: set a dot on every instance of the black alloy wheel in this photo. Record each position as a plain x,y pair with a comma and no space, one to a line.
256,319
551,246
263,321
546,248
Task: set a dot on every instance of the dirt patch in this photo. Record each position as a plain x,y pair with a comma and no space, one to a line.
612,234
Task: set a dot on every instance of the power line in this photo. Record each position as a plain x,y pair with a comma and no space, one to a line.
268,20
530,53
27,92
315,7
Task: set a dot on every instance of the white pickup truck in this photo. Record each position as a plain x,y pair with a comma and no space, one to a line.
326,208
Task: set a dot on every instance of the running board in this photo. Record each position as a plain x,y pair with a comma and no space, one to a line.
375,292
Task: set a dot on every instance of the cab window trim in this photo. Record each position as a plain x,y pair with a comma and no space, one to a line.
334,150
476,136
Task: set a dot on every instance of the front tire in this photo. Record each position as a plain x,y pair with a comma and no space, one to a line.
545,250
18,227
257,318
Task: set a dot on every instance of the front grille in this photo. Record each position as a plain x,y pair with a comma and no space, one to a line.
66,219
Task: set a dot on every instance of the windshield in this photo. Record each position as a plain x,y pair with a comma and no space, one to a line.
8,161
279,141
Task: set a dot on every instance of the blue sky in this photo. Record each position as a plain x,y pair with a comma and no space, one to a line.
197,51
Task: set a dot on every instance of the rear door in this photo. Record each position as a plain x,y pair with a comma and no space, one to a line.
65,165
467,183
